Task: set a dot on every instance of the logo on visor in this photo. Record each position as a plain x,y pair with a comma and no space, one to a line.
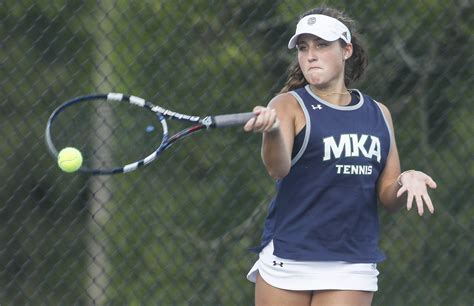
344,34
311,20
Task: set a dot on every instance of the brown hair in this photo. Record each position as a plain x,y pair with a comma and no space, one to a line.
355,65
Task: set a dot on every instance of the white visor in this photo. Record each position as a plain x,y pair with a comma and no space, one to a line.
325,27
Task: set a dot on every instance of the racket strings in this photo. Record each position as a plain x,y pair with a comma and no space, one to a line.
108,135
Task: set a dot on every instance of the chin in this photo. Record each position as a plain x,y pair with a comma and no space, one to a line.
317,82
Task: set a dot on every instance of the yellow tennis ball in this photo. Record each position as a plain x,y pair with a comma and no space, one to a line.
69,159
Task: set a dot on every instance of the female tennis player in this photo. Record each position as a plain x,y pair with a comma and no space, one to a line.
333,153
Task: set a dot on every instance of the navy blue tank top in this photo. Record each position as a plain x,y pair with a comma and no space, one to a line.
326,207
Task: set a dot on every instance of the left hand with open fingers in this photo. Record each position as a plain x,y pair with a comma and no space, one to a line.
415,183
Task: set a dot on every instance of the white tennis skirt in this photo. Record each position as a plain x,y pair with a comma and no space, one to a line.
313,275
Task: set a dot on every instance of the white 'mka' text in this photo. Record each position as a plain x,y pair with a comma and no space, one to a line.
351,145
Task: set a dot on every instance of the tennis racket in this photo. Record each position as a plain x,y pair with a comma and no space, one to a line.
112,130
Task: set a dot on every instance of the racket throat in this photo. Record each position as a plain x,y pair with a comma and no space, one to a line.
209,122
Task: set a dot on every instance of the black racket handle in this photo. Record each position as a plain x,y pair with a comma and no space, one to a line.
231,119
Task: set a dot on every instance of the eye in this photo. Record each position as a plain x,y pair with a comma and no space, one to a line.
322,45
301,47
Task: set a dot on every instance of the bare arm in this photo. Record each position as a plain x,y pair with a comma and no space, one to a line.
392,185
277,123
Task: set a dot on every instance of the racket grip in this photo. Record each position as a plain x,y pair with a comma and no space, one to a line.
231,119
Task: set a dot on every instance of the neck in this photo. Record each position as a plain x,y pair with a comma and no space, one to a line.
339,97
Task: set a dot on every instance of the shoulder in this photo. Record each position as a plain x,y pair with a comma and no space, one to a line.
289,110
385,111
380,105
383,108
285,102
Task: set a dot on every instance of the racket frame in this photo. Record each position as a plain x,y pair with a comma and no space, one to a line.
200,123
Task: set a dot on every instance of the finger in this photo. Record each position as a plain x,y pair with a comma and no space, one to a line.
401,191
431,183
259,121
249,125
419,204
266,119
273,117
258,109
409,200
272,121
428,202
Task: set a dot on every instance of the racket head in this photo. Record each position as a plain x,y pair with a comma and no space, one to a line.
112,131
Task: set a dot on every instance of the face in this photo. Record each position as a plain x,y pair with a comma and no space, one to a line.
322,62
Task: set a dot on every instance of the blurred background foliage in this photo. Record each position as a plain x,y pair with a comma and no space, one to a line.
177,231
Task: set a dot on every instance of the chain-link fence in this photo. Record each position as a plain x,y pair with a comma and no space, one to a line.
177,231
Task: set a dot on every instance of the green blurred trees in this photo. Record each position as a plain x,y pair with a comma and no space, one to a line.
178,229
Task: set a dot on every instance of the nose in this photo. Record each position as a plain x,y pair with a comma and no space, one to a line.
312,54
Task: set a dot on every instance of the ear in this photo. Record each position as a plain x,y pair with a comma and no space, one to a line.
348,51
